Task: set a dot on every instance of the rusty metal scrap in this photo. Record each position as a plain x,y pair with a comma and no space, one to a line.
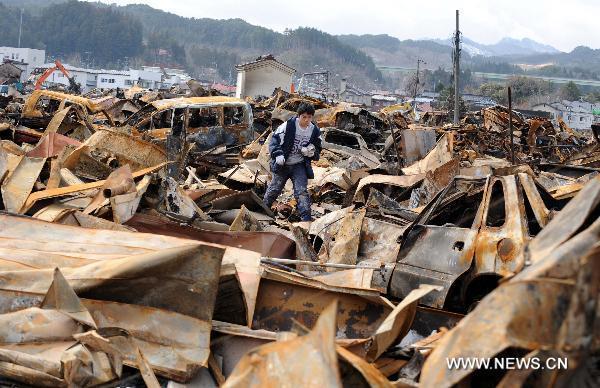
134,243
308,360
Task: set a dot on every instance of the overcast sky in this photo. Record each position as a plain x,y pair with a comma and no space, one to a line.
562,24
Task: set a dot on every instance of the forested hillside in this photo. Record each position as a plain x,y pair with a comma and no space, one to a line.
111,36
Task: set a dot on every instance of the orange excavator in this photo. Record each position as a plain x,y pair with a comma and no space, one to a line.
73,86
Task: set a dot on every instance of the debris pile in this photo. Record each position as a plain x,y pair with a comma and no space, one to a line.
534,139
136,249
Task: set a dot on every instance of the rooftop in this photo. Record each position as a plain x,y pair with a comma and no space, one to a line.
263,60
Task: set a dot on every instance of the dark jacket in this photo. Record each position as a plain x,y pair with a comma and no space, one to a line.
282,143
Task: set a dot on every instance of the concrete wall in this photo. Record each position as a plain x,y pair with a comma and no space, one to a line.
416,144
240,84
262,81
112,81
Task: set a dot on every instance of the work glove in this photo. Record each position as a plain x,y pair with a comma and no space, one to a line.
308,151
280,160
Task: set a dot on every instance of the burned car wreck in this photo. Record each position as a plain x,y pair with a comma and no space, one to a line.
207,124
469,236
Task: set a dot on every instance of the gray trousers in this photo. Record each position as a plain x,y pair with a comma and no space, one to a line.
297,173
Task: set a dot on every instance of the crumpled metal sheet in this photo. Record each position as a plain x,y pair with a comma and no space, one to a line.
371,375
283,296
434,182
566,223
18,185
438,156
416,143
268,244
52,144
348,144
332,176
160,289
119,182
343,248
160,298
310,360
283,361
177,202
52,329
61,297
402,181
66,215
125,206
245,221
397,323
353,278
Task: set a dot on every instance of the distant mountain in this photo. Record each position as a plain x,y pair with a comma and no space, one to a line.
390,51
581,63
506,46
305,49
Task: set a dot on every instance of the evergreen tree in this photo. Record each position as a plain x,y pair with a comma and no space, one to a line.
570,91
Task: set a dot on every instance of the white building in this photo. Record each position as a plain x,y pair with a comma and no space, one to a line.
112,79
380,101
31,58
87,78
576,114
169,77
105,79
145,79
354,95
262,76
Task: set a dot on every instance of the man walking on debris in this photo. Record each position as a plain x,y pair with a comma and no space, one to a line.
294,144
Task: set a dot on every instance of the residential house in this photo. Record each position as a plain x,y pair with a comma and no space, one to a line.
352,94
28,57
262,76
169,77
576,114
10,73
379,101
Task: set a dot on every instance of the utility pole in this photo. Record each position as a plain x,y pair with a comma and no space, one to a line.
510,128
20,28
216,72
415,91
456,72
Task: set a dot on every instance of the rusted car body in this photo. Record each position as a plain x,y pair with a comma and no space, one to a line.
42,105
206,121
469,237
